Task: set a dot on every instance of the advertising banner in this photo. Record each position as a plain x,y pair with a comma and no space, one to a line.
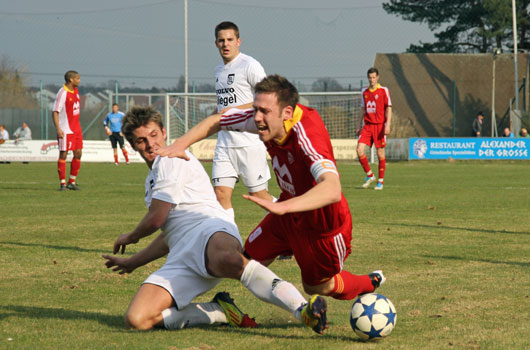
48,151
469,148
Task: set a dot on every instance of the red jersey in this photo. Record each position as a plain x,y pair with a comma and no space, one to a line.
303,155
68,106
375,103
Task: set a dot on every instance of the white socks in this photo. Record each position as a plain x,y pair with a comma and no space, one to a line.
265,285
193,315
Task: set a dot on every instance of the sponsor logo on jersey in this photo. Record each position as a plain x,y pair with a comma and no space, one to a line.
282,171
227,100
230,79
370,106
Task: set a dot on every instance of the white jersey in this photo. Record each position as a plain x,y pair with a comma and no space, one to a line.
234,86
187,187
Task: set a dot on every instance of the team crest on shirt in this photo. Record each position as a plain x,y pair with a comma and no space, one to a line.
290,158
230,79
376,97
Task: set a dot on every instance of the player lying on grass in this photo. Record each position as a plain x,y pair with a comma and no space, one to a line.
202,243
311,219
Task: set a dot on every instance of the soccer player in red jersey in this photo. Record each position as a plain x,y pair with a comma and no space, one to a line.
311,219
377,117
69,135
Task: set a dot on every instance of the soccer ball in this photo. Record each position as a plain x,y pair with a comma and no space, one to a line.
373,316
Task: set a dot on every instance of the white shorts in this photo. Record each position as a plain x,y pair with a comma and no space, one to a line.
184,274
249,163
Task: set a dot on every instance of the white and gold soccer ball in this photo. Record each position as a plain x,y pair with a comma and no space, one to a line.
373,316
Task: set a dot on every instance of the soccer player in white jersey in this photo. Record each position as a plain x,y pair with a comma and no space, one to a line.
202,243
237,154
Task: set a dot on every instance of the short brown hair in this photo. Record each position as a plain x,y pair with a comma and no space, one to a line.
372,70
285,91
70,75
226,25
137,117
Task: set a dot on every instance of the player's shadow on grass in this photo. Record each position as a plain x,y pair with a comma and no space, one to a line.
34,312
489,261
469,229
57,247
267,330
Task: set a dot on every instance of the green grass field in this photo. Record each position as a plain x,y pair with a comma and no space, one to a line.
452,238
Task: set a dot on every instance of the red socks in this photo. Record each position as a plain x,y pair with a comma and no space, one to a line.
74,169
382,166
116,158
61,169
125,155
348,285
364,162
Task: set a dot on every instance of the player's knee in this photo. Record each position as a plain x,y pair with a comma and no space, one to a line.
321,289
137,321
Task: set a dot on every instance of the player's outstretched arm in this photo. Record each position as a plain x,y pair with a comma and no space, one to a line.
153,251
327,191
151,222
207,127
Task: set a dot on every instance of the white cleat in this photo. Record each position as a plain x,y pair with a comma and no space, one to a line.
368,181
379,186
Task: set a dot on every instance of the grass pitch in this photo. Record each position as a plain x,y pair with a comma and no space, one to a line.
452,238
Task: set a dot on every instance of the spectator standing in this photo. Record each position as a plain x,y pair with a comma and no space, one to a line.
507,133
112,124
69,135
477,125
524,133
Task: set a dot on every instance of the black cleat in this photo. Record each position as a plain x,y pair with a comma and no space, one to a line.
313,314
377,278
72,186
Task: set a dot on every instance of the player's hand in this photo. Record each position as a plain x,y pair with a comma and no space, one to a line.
120,265
387,129
176,149
357,131
60,133
107,130
277,208
122,242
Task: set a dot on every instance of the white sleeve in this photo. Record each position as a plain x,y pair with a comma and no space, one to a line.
239,120
255,73
322,166
169,177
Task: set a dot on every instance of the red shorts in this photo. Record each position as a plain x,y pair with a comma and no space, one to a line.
373,134
320,256
71,142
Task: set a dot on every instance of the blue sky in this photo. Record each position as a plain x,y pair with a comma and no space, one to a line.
141,42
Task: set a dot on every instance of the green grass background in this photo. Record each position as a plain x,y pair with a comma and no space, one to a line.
452,237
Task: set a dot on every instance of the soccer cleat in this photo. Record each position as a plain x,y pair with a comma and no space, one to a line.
313,314
379,186
377,278
72,186
234,316
368,181
62,187
116,164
